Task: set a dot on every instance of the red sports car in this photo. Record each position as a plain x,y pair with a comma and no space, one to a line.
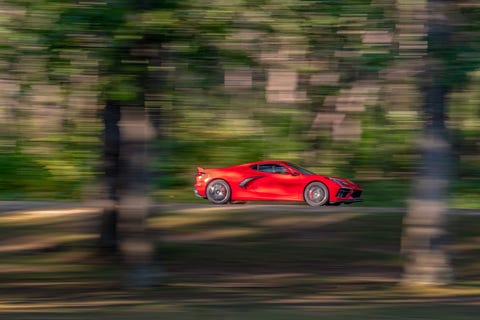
273,181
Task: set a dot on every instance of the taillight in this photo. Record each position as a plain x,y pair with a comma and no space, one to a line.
200,172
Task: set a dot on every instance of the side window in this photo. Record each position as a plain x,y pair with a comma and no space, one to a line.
266,168
270,168
280,169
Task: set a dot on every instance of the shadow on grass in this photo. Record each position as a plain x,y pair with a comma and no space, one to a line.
234,262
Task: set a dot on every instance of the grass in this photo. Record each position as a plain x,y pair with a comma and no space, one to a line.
232,262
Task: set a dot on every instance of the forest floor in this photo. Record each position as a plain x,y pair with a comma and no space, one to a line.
229,262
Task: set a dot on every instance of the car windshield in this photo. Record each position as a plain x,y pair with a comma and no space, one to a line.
300,169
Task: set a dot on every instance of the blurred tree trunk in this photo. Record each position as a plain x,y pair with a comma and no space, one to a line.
134,201
425,225
134,67
127,134
111,171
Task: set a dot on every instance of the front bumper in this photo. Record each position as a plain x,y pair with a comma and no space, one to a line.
351,201
347,196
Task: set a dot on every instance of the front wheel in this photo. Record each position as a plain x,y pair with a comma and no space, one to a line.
218,192
316,194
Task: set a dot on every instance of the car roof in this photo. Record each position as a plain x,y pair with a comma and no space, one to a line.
268,162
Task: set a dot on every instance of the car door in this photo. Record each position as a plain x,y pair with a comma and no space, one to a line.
275,182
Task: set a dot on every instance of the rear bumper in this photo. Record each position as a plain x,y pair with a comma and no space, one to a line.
195,191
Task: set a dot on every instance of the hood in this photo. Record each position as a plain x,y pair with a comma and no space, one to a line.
344,182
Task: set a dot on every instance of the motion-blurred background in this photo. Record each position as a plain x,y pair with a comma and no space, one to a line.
121,100
337,86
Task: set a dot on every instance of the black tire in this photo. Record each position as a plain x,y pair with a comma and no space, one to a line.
218,192
316,194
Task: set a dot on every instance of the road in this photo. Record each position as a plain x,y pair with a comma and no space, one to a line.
7,206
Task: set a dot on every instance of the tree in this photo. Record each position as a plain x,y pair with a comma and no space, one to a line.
131,65
425,236
121,43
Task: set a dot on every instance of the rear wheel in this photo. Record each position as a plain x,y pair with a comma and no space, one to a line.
218,192
316,194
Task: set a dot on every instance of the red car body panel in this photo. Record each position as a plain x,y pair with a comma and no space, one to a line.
248,184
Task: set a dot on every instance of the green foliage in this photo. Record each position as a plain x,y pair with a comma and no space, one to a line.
173,57
20,173
32,176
